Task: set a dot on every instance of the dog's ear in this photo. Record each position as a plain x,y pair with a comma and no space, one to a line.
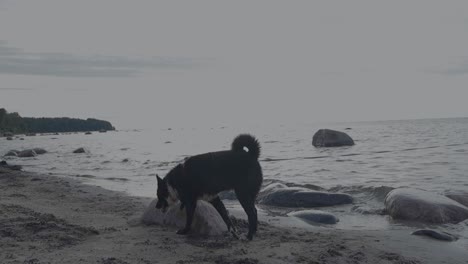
159,179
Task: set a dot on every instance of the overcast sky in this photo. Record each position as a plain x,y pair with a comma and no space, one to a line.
220,62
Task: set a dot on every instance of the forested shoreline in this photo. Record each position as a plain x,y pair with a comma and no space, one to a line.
15,124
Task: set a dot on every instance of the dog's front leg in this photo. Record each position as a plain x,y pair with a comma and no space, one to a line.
190,210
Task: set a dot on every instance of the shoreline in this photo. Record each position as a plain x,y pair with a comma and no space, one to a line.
50,219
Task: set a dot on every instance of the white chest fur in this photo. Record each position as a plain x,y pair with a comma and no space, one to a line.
173,195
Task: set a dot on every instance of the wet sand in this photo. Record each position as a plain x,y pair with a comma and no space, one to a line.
49,219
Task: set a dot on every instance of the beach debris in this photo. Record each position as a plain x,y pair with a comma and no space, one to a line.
278,194
315,216
423,206
206,220
27,153
435,234
331,138
79,150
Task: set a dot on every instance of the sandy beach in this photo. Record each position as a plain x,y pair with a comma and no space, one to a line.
48,219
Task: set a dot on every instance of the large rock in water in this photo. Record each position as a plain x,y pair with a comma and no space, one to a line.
27,153
423,206
79,150
331,138
278,194
206,220
315,216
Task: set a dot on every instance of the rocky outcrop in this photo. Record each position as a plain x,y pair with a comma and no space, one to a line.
423,206
206,220
315,217
27,153
331,138
278,194
79,150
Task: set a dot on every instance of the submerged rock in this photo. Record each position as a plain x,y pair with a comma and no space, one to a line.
435,234
79,150
331,138
206,220
423,206
315,216
39,151
27,153
4,164
9,138
88,133
12,153
278,194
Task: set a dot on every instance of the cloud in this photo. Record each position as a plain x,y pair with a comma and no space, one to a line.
14,89
17,61
458,68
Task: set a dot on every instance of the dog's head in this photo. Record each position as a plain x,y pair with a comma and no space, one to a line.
163,195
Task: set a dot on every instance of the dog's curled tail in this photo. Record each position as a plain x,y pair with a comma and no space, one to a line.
246,141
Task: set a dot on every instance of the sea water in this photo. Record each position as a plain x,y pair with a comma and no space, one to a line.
429,154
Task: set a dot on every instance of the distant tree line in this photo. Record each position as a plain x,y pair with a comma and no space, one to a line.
14,123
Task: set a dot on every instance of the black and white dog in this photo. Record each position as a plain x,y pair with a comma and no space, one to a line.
204,176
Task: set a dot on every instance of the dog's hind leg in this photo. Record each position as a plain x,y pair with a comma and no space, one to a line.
249,207
219,206
190,211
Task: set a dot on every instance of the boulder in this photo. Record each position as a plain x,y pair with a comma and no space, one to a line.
206,220
278,194
27,153
315,216
9,138
12,153
331,138
79,150
423,206
435,234
39,151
